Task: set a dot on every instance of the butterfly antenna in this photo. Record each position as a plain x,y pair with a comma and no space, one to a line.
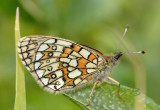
140,52
125,31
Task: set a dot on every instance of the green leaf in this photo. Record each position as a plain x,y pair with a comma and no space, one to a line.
20,98
105,98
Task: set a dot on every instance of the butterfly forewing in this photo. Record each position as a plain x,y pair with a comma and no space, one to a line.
58,64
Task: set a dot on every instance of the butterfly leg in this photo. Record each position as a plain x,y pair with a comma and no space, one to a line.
113,80
92,92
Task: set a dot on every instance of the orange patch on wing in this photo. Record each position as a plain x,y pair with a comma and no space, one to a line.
76,48
61,65
84,75
50,48
64,55
92,57
48,76
83,71
67,50
57,59
82,63
68,81
45,55
51,80
65,71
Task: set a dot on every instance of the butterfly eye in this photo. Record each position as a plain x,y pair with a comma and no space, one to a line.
118,56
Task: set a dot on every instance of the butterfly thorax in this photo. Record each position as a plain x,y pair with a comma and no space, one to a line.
113,59
106,68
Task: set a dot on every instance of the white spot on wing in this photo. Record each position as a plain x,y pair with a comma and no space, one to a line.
76,81
48,62
67,60
39,55
70,56
59,48
85,53
60,83
31,46
43,47
24,49
70,68
51,86
54,47
73,63
19,50
37,65
51,60
55,66
99,59
50,68
91,70
65,64
40,73
59,73
53,76
50,41
65,43
74,73
45,80
90,65
76,54
28,61
95,61
57,54
25,55
24,43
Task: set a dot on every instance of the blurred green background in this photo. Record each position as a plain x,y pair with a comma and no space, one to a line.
95,23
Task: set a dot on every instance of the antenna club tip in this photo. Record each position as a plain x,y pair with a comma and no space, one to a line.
127,26
143,52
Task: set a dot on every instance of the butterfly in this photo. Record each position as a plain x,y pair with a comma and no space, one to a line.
61,65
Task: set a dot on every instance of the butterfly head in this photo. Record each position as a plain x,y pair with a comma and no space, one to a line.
114,59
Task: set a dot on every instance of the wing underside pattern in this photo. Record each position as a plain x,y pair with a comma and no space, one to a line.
58,64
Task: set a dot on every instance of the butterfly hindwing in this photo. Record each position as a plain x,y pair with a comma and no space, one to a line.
58,64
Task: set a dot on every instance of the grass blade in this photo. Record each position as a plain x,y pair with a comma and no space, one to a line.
20,98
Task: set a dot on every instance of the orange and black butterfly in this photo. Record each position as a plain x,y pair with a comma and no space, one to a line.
61,65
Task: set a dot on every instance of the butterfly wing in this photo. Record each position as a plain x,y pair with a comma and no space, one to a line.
58,64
